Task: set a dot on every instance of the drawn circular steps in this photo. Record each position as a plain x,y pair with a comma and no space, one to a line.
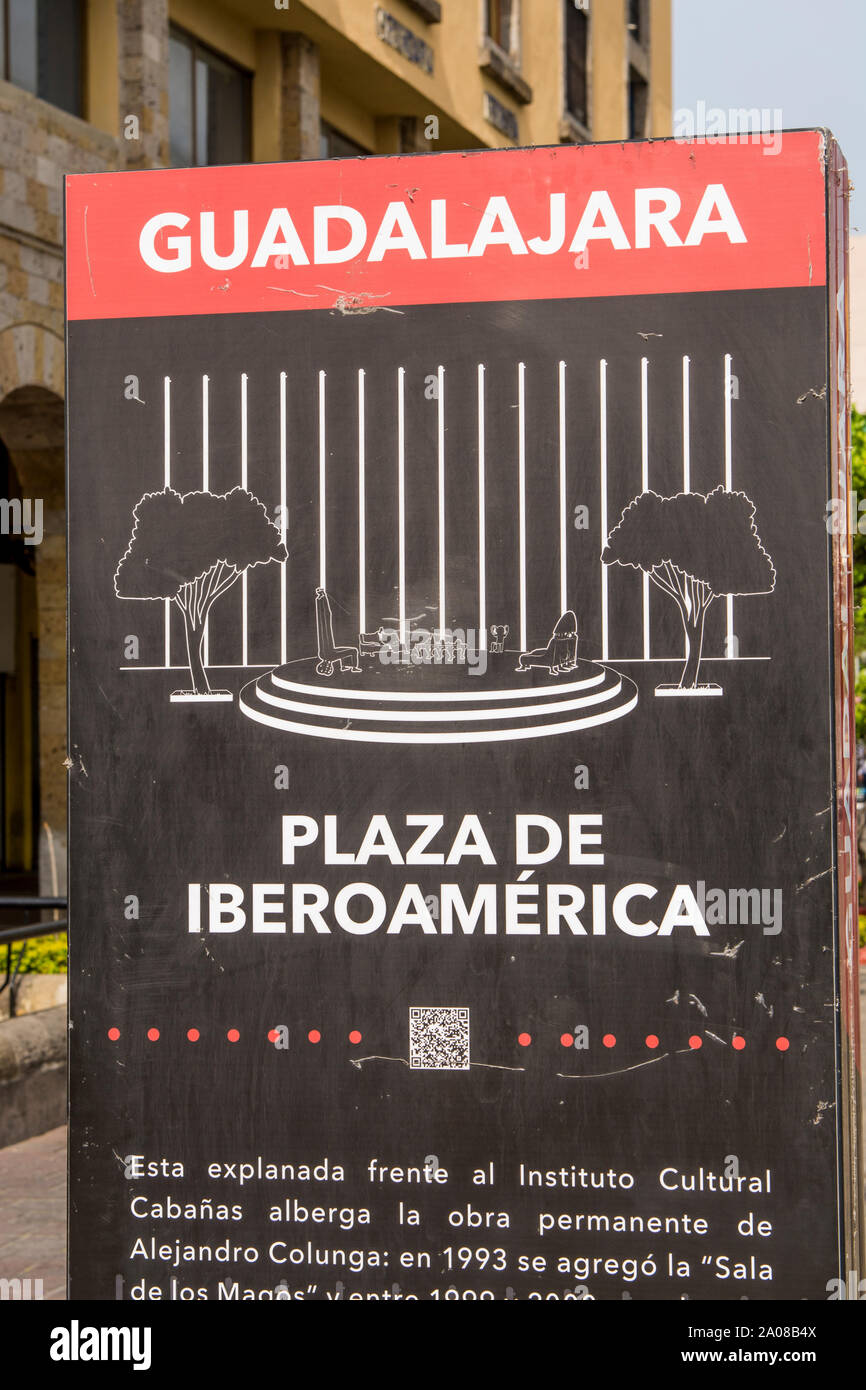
436,705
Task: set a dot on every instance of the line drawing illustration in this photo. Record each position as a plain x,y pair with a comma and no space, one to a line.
329,654
560,654
696,547
189,549
402,678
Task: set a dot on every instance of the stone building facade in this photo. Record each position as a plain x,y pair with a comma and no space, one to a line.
267,80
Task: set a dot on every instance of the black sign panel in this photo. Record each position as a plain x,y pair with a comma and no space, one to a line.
453,846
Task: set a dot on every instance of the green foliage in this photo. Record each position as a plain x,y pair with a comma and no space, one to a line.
860,703
44,955
858,483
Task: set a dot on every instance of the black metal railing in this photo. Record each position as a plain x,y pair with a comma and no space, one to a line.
11,936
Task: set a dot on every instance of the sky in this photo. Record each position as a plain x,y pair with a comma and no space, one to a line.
804,59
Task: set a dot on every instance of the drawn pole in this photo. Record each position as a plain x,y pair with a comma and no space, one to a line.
482,518
563,568
644,456
166,464
205,484
602,463
441,497
362,506
687,446
401,511
687,461
521,496
244,485
323,490
283,522
729,600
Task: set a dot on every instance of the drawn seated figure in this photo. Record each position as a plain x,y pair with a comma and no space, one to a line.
498,634
370,643
560,654
330,655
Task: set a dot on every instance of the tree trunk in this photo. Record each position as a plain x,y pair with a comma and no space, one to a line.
694,645
194,640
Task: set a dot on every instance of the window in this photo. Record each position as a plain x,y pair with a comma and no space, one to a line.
576,53
209,104
42,49
333,145
502,26
638,22
638,101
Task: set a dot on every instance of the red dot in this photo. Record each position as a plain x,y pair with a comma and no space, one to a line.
524,1039
782,1044
738,1042
114,1034
652,1040
609,1040
272,1035
695,1042
193,1034
233,1035
315,1036
567,1040
354,1036
153,1034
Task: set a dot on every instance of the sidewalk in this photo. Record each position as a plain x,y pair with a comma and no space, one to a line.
33,1211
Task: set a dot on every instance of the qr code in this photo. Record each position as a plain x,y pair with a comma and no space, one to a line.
439,1039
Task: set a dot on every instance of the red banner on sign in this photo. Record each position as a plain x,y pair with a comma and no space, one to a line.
360,234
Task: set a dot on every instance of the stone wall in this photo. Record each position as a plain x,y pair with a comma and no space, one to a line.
38,145
32,1075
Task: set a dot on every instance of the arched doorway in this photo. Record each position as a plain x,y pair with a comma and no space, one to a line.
32,440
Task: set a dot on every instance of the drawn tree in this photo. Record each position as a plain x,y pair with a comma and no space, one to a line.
696,548
191,548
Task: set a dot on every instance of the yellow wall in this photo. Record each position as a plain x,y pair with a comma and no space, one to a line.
608,72
364,79
661,68
101,84
218,27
